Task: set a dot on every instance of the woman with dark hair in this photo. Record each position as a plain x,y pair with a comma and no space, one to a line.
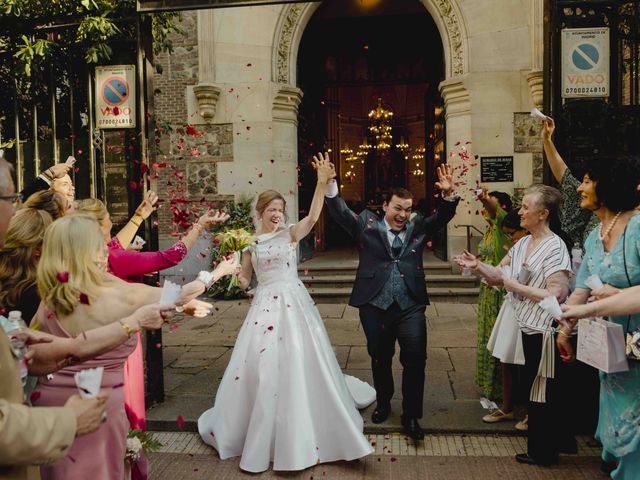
535,268
503,342
54,203
576,222
612,253
492,249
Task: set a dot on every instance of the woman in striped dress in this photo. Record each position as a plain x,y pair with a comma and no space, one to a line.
536,267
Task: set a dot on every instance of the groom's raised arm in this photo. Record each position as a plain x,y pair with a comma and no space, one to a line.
445,212
340,212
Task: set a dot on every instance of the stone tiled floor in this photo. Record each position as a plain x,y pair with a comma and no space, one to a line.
397,444
198,350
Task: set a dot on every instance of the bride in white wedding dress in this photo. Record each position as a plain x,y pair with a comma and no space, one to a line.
283,397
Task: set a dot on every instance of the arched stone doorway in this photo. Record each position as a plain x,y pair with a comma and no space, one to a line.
446,16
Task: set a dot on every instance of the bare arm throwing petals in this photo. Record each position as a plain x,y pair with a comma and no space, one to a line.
326,171
556,163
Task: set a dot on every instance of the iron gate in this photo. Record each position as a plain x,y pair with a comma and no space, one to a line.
594,127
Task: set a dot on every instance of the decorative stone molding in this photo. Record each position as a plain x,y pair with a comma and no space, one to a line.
286,33
294,18
456,97
207,96
536,86
285,104
454,33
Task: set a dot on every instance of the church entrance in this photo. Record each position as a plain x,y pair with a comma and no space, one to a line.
370,72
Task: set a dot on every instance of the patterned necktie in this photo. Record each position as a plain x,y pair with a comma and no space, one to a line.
396,246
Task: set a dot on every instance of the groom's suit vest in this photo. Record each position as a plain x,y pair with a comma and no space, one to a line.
381,277
394,289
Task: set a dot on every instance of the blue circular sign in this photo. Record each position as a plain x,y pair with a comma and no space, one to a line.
115,91
585,56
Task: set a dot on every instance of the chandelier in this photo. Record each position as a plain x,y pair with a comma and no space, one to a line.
380,126
380,132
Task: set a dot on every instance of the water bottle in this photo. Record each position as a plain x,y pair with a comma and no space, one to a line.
16,325
576,257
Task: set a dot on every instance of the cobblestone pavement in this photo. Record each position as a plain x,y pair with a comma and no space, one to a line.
486,457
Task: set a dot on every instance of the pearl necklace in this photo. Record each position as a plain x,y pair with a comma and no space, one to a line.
607,231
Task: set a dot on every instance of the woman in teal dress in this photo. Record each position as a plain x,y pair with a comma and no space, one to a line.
492,248
612,252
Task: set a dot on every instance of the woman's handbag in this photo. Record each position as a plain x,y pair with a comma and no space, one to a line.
601,345
633,338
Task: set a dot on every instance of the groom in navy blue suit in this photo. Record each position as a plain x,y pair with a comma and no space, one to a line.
390,290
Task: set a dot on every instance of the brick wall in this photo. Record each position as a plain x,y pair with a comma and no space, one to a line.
194,156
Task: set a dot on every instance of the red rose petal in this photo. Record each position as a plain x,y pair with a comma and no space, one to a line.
84,299
63,277
35,396
180,421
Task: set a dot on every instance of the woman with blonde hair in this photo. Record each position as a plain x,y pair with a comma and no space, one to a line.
283,397
19,260
131,266
79,295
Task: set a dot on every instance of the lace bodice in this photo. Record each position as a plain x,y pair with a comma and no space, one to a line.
273,258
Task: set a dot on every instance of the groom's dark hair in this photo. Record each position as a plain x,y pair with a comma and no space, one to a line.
399,192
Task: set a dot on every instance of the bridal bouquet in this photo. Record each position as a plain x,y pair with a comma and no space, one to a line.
139,442
233,242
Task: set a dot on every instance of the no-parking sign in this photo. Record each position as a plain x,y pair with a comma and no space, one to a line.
585,62
115,96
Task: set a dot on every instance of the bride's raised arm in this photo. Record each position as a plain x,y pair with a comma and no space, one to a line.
325,171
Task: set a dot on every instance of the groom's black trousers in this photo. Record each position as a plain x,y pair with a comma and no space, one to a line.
409,327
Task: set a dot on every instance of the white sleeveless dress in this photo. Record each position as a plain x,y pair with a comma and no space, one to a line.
283,397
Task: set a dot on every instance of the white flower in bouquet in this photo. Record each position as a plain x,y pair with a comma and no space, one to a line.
134,448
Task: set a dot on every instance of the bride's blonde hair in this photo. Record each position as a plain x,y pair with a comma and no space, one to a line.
68,267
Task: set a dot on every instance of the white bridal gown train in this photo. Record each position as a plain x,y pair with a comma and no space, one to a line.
283,397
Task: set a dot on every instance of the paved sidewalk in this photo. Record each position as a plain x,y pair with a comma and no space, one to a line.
450,457
198,350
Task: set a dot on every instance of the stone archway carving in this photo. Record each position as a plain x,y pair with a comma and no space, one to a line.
294,18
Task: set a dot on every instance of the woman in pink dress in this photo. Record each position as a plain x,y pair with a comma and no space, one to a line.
131,265
80,295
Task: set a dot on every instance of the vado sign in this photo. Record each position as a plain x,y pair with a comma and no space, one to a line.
115,96
585,62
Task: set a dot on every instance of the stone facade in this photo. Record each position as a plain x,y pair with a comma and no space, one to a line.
493,57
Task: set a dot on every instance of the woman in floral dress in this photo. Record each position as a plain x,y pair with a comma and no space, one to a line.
492,248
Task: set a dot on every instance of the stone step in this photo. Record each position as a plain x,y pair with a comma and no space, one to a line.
349,267
346,280
436,294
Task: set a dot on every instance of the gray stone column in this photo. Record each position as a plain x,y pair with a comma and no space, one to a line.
206,91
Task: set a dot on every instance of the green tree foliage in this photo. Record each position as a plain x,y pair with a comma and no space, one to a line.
56,42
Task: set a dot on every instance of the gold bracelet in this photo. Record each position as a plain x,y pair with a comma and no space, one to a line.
564,334
198,227
127,328
137,224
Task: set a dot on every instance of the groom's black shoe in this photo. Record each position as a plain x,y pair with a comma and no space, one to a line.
412,428
381,413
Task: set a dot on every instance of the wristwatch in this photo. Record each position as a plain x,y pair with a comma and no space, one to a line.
206,278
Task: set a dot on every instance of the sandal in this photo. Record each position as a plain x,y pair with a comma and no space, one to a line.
523,425
497,416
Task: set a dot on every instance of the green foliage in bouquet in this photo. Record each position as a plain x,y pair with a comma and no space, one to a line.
138,442
240,217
